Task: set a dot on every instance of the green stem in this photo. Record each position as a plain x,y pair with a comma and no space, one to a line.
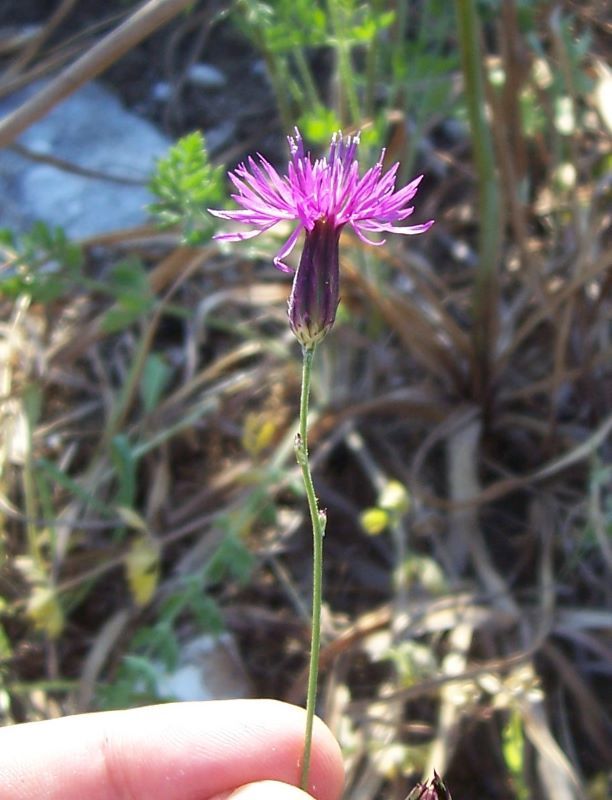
318,520
310,88
275,72
398,60
347,83
485,286
372,56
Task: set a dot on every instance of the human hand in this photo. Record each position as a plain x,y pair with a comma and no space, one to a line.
243,749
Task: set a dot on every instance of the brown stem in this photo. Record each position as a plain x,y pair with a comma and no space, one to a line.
148,18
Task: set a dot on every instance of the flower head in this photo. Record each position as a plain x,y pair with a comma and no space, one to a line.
432,790
321,196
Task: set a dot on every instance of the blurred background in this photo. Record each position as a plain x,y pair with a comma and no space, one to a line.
154,542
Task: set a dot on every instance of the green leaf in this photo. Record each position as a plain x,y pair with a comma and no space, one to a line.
186,185
5,645
124,463
317,124
155,376
232,559
45,611
117,319
128,279
72,486
42,263
142,669
208,614
32,403
128,283
513,748
142,564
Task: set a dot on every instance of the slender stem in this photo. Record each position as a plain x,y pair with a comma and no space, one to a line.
275,72
485,285
398,59
347,82
310,88
318,520
146,19
372,59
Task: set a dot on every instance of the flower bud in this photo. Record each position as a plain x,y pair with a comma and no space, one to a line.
315,293
433,790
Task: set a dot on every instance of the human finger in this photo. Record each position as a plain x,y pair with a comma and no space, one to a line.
265,790
178,751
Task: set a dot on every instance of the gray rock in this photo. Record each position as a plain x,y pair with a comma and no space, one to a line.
93,130
161,91
206,76
220,136
260,68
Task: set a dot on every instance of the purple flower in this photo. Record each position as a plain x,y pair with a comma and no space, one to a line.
322,196
434,790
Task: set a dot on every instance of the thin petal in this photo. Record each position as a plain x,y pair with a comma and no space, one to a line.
286,249
364,238
325,190
237,236
219,213
412,229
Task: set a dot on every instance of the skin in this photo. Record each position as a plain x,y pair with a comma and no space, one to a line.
238,749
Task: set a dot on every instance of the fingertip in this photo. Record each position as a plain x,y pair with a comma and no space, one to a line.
187,748
326,774
265,790
327,767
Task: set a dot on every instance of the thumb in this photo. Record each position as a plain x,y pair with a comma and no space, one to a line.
264,790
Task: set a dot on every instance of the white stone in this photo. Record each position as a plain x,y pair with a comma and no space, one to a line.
206,76
161,91
220,136
209,669
90,129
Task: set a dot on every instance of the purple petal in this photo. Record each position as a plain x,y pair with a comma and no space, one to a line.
286,249
412,229
364,238
237,236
